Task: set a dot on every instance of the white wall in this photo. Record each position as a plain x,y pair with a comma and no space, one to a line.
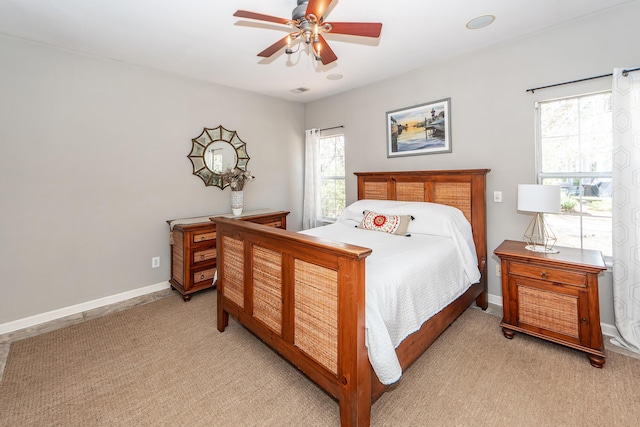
94,161
492,114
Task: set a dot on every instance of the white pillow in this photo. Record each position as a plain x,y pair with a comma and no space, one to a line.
428,218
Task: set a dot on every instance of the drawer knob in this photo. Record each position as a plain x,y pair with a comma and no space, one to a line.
544,275
202,276
584,321
202,256
201,238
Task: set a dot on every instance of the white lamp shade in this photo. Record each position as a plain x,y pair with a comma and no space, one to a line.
538,198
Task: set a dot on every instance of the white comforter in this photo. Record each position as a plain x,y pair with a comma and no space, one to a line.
408,279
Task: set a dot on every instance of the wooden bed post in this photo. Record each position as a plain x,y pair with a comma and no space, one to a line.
353,360
223,316
478,220
482,300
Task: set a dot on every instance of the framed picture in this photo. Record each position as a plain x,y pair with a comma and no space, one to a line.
423,129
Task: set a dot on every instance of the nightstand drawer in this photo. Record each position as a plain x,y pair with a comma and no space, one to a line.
549,274
204,237
201,276
205,255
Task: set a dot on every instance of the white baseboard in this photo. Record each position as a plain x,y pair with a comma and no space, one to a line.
495,300
607,329
28,322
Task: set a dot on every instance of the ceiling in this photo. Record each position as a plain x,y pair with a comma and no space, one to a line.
202,39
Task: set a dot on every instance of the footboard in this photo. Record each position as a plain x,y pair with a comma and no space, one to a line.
305,297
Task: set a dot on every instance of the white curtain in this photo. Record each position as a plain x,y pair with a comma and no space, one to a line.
626,207
312,200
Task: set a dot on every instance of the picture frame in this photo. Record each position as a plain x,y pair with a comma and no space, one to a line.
421,129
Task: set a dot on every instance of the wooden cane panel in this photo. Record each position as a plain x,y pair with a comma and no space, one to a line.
376,190
410,191
177,248
267,288
548,310
233,251
456,194
316,313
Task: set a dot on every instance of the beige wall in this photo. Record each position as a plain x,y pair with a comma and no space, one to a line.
492,114
94,161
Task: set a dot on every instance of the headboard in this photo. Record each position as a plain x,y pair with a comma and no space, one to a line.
463,189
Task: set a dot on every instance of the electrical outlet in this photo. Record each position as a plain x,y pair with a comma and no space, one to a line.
497,197
155,262
498,270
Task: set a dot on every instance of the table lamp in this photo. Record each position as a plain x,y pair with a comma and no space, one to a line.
539,199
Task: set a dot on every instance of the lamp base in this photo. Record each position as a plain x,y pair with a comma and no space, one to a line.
542,249
539,237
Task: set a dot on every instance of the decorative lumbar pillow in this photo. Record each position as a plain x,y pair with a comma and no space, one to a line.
392,224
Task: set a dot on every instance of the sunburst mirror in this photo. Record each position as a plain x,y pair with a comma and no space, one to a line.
216,150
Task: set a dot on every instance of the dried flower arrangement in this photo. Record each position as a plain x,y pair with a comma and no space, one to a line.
236,178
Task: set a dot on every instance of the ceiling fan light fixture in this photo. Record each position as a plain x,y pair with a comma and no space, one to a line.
307,23
288,50
480,22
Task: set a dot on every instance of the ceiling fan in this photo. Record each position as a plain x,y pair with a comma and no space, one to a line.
307,21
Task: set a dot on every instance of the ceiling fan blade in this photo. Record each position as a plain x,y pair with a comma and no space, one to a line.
317,8
274,47
327,55
365,29
261,17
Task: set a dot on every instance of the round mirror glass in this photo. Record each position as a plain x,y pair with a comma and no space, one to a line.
215,151
220,156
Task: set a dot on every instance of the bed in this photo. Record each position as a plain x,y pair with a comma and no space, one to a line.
304,295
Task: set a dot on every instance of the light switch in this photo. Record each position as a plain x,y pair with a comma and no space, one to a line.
497,197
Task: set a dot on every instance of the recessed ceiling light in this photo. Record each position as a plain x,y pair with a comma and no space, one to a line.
480,22
334,76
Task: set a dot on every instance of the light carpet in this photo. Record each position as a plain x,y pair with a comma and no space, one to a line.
165,364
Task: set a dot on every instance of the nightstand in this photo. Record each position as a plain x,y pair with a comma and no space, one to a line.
553,296
193,248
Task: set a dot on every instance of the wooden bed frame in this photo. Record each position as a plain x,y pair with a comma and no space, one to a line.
305,296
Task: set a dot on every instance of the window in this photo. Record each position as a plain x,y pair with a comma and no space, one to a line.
332,173
575,151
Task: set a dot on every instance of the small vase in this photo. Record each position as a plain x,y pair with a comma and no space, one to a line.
237,202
